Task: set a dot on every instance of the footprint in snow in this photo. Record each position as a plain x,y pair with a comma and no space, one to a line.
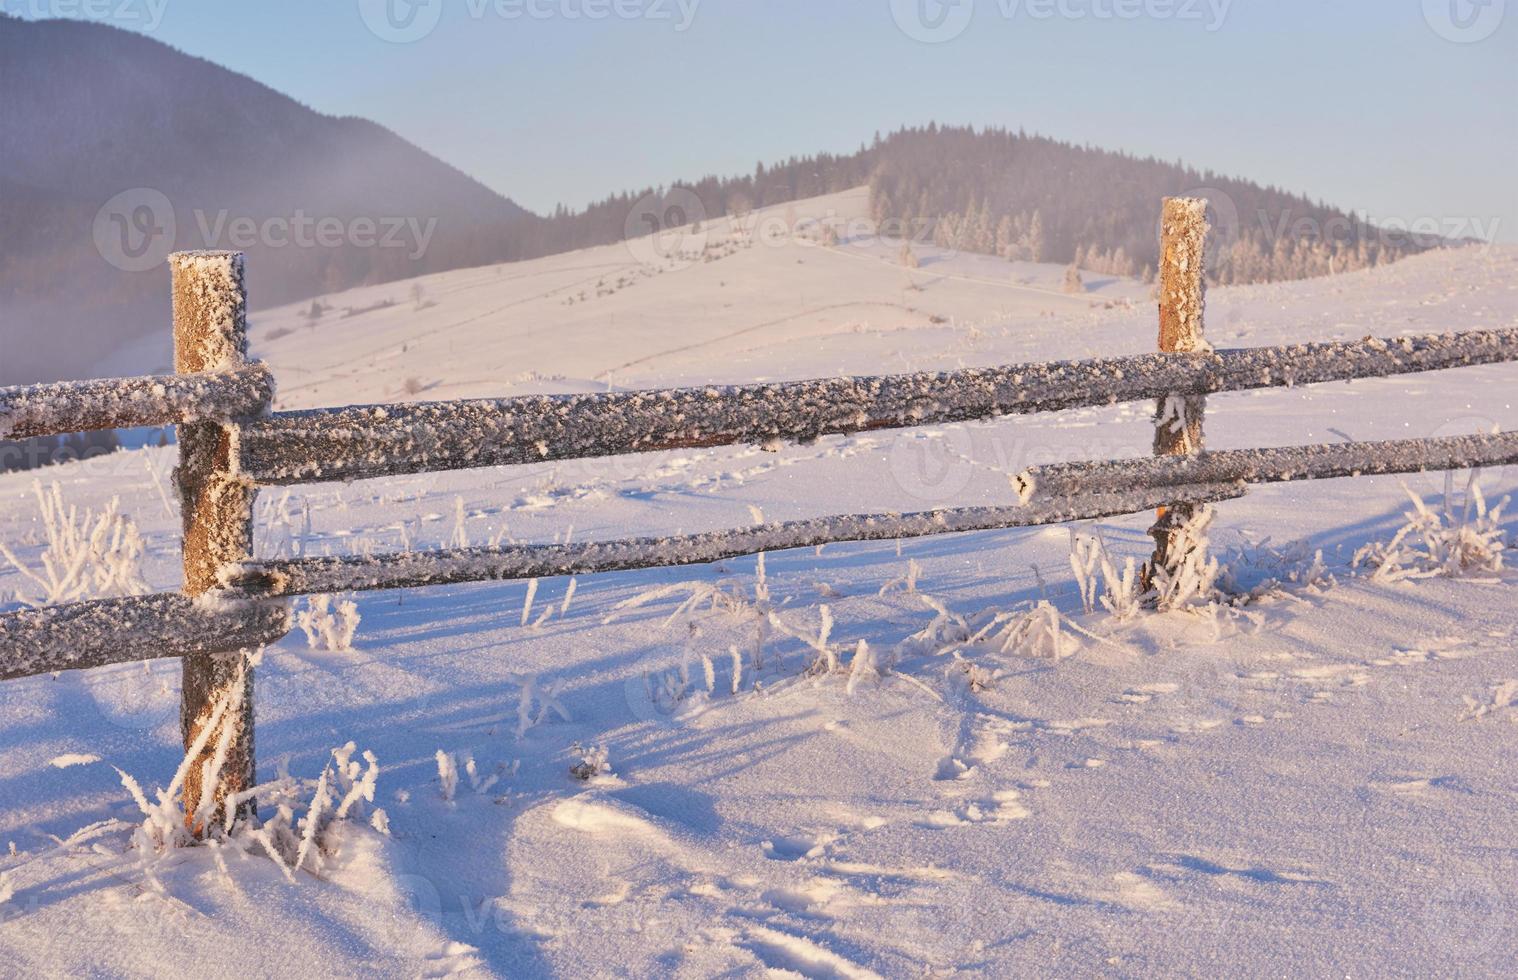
452,960
788,954
1003,806
795,848
951,768
1145,693
1420,787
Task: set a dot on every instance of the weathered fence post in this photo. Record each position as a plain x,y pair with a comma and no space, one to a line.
1183,298
210,334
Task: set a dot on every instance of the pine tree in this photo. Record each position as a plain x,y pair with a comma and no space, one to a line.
1038,246
1006,240
1073,281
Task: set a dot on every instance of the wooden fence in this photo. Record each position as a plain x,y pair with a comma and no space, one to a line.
230,444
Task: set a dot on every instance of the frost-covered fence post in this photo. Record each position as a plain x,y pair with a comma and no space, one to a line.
210,335
1178,418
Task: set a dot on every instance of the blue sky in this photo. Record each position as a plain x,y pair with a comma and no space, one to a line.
1391,107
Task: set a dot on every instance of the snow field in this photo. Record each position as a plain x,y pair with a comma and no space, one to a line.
1318,782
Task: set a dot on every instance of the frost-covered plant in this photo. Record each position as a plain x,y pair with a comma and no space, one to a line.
667,688
731,600
863,666
527,601
334,801
1037,632
537,701
824,655
1119,593
336,798
1190,580
1085,555
947,631
447,775
87,554
1123,594
709,672
907,582
293,533
593,762
480,784
732,651
1262,571
976,677
1470,541
328,626
460,537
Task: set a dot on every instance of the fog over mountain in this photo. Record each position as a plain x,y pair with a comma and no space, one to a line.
93,113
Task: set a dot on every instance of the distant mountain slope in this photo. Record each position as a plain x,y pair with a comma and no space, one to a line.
91,112
115,148
1028,197
1021,196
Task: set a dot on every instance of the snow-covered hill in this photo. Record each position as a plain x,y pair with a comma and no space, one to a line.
1320,783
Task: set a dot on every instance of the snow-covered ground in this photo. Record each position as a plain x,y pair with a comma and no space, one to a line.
1321,783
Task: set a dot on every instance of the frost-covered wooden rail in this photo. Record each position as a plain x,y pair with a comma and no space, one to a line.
123,403
389,440
315,576
230,445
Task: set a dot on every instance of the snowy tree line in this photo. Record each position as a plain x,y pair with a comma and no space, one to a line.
1028,197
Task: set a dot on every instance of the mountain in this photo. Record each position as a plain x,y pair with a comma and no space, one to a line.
1025,196
112,140
118,149
1028,197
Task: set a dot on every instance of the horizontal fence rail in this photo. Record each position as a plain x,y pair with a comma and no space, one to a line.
1055,494
112,631
123,403
388,440
1278,465
311,576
